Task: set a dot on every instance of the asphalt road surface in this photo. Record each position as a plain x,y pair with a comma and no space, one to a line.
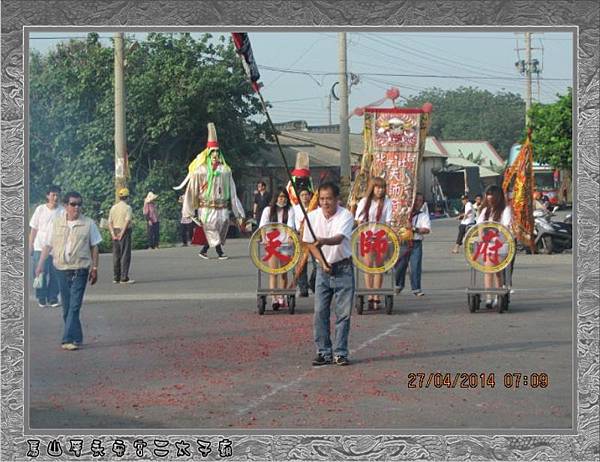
184,347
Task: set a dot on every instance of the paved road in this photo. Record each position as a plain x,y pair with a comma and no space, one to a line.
185,348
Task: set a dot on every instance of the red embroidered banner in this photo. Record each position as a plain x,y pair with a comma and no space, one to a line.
394,142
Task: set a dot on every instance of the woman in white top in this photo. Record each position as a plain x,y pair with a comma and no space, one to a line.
278,211
495,210
375,207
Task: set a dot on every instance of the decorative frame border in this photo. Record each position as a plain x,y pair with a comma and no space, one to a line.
583,445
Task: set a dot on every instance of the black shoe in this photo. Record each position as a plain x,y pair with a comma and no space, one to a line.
341,361
304,293
320,360
203,255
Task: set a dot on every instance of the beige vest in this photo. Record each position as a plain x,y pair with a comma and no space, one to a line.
79,237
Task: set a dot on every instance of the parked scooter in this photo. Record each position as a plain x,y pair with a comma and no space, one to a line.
551,236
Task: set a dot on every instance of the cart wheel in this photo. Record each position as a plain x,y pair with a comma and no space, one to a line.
359,302
261,303
291,304
474,301
502,303
389,304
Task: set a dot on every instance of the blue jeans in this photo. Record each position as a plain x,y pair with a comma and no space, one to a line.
49,291
72,287
413,256
339,284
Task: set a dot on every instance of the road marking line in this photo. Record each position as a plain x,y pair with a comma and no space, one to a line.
299,379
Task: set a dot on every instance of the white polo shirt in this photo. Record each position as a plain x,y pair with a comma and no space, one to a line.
299,216
421,220
469,216
42,220
386,212
340,223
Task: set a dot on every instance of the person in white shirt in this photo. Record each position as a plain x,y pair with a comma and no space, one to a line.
305,196
332,225
74,240
412,251
495,210
375,207
278,211
40,224
467,218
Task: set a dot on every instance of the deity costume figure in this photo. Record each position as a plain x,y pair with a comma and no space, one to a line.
211,190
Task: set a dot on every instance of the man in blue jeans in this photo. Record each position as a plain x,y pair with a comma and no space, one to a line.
412,251
73,241
332,225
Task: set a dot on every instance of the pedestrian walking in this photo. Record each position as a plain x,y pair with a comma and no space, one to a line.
467,218
411,252
73,242
151,215
46,288
120,225
375,207
186,226
332,225
495,210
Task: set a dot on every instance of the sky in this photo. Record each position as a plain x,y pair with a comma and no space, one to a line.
298,69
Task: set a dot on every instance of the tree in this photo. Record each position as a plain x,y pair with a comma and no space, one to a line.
471,114
174,84
552,126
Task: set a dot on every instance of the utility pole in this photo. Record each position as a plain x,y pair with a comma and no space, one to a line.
120,140
527,76
344,130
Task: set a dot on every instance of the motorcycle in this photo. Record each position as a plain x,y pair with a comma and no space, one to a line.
551,236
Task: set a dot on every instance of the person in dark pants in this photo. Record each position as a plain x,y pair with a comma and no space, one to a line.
262,198
151,215
73,240
186,227
119,225
467,218
412,252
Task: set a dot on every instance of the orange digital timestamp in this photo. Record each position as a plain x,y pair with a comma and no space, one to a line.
511,380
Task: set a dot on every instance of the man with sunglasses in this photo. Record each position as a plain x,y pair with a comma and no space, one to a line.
73,241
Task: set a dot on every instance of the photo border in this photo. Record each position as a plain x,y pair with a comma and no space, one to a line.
440,15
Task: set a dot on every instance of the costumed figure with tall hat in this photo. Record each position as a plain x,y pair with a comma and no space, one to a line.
211,190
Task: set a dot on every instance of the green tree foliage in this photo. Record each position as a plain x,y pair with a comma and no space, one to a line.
552,126
472,114
174,84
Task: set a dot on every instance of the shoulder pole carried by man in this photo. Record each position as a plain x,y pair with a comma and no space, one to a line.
244,49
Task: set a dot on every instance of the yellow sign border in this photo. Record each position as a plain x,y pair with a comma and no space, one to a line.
390,233
257,236
471,236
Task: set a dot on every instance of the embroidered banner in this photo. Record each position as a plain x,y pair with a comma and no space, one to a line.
394,140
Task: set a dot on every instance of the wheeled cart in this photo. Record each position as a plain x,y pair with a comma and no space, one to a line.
361,291
475,291
263,292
